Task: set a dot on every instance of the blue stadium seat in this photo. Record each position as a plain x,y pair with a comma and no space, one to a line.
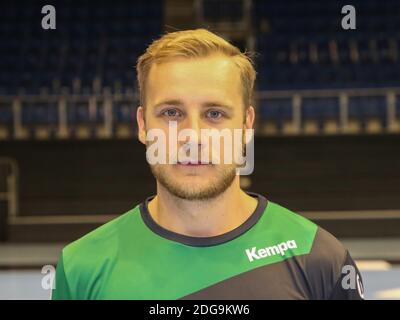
73,49
6,115
124,112
320,108
276,110
78,113
298,25
40,113
366,108
398,106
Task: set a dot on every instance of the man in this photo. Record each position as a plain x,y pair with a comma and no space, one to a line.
201,236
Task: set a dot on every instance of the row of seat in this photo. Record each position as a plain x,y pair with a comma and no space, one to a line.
324,108
46,111
301,44
324,115
330,51
311,17
91,41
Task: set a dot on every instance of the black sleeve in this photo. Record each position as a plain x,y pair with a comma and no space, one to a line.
330,271
349,285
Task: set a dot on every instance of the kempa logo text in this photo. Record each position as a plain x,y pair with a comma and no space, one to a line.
281,248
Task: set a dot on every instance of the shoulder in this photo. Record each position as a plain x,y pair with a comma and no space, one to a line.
327,256
287,224
332,272
83,261
324,246
322,266
288,217
96,247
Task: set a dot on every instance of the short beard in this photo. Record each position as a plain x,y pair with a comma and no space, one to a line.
212,191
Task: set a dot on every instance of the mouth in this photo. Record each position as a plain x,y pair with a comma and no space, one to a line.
193,163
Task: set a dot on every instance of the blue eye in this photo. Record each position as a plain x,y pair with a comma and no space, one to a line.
214,114
171,113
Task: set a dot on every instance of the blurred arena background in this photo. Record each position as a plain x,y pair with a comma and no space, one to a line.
327,134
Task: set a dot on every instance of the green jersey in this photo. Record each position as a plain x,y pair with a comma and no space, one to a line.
274,254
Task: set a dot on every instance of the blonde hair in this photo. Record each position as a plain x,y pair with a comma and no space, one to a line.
194,44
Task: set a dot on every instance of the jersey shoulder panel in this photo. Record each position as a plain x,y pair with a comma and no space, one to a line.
323,266
325,246
287,222
102,235
93,253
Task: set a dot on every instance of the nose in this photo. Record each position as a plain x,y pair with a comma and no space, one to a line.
193,124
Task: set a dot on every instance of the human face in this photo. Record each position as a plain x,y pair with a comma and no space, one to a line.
198,93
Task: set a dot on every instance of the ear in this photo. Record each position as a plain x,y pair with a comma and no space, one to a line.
141,124
250,118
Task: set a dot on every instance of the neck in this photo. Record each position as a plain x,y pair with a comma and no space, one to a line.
202,218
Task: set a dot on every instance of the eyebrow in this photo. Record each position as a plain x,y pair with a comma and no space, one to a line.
209,104
166,102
